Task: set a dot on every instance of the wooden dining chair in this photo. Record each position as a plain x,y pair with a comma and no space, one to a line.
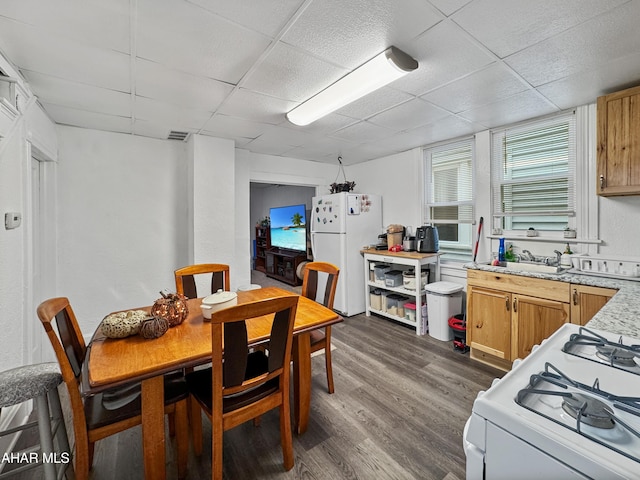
112,411
321,337
248,383
186,283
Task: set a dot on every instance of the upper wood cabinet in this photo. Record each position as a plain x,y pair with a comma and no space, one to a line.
618,162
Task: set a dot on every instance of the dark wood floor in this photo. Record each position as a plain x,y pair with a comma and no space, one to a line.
398,412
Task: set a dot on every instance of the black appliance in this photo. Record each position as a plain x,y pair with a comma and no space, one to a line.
427,239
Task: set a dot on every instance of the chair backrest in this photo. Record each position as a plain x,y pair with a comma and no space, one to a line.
186,283
310,281
235,374
68,344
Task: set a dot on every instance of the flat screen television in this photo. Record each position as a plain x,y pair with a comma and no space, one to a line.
288,227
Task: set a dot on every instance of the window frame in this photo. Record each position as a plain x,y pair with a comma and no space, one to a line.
458,251
569,214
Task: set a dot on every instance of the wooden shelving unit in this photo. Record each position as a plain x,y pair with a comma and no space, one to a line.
263,244
283,265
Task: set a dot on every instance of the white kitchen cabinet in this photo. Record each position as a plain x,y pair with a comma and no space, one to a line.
400,261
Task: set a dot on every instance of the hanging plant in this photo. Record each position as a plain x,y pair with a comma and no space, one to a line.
342,187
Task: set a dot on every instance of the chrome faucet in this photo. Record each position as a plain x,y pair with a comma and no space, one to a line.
529,256
559,256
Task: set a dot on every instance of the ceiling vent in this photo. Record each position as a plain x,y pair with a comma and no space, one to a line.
174,135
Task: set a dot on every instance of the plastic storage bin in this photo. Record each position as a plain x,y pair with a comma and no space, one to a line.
444,300
393,278
378,271
409,279
376,299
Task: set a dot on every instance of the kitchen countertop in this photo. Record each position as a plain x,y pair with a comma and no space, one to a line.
620,315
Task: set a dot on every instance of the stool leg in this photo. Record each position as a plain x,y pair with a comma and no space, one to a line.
61,433
46,441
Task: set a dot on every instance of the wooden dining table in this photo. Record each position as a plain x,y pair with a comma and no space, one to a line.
112,362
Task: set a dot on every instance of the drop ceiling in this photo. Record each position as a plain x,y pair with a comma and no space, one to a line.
233,69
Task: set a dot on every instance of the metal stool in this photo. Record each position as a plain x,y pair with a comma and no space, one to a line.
40,383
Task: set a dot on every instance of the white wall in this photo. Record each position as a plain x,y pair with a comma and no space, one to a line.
121,220
619,226
12,254
398,178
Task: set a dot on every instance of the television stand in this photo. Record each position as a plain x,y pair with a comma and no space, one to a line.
283,265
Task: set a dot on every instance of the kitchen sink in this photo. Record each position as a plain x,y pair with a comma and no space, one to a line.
531,267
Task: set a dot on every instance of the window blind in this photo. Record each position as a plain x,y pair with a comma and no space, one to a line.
450,192
533,174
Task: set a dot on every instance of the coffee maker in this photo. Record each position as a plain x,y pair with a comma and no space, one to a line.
427,239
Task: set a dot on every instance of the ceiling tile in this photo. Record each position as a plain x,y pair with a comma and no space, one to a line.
375,102
505,26
445,129
263,17
449,6
178,118
226,126
584,87
150,129
409,115
188,38
363,132
159,82
41,51
284,136
521,106
320,147
613,35
92,22
350,33
84,119
290,74
485,86
444,55
254,106
364,152
71,94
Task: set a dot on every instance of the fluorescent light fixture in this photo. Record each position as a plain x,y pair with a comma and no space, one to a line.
377,72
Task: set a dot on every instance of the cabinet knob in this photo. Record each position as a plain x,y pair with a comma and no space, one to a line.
508,304
601,182
515,304
575,296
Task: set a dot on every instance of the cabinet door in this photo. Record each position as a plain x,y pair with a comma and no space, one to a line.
533,320
489,321
586,301
618,162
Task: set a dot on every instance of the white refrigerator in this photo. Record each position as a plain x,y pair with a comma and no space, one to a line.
341,225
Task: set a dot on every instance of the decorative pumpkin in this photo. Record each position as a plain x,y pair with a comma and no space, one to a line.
154,327
123,324
172,307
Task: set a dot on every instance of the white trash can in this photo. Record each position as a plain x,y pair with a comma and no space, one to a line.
444,300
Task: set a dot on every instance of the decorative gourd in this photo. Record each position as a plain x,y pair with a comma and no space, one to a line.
123,324
172,307
154,327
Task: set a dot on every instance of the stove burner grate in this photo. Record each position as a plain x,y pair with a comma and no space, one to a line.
616,355
588,410
593,410
596,348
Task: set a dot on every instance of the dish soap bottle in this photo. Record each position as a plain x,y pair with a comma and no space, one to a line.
565,259
501,252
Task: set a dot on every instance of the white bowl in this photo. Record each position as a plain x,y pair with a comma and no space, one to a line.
217,301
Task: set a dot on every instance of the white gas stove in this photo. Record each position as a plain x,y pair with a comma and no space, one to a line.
570,410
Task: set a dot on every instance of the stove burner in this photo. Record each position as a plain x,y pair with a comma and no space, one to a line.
616,355
592,411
